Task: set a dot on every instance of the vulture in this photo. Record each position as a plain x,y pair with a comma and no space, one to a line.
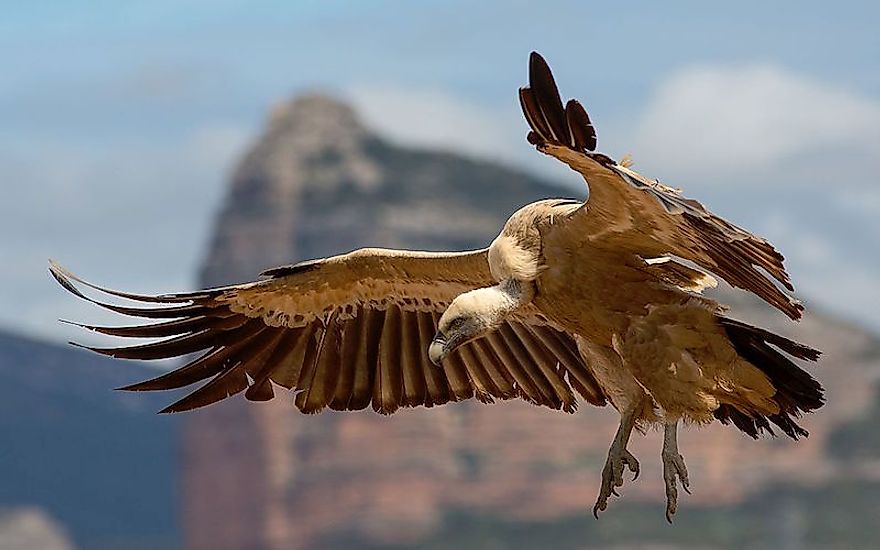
597,300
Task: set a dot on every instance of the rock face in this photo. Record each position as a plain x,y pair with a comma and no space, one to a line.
263,476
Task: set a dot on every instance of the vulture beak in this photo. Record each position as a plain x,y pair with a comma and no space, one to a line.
437,349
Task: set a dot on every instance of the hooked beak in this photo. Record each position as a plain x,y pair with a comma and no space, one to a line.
437,349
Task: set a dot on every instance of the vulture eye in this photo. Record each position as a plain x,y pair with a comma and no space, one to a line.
455,324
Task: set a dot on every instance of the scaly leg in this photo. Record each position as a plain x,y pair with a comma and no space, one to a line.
673,468
618,457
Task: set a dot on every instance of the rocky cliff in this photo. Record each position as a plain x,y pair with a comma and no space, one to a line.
263,476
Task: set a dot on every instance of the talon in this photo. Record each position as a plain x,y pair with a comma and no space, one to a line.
612,476
683,475
619,459
632,464
674,471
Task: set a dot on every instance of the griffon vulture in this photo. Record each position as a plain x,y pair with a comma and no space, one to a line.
572,299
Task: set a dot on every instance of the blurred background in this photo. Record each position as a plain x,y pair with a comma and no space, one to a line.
162,145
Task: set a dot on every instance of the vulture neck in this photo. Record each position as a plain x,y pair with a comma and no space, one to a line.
509,258
511,295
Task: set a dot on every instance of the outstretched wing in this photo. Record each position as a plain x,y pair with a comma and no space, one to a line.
630,212
346,332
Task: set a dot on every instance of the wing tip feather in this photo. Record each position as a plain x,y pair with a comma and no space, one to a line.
549,121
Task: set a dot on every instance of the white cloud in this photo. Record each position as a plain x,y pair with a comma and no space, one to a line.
437,119
824,269
756,120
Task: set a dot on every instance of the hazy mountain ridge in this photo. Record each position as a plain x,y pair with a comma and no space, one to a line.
100,463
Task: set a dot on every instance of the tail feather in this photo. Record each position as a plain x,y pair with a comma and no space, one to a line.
796,391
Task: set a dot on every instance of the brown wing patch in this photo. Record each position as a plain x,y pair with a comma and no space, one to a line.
438,391
387,390
414,387
348,357
321,368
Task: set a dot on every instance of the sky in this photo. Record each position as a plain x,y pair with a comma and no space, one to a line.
121,122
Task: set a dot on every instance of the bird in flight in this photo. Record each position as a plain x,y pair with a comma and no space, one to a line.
598,300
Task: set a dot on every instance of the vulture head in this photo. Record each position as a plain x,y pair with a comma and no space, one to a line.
477,313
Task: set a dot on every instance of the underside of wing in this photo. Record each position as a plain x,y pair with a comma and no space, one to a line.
342,340
631,212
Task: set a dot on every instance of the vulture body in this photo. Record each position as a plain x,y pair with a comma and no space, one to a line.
594,300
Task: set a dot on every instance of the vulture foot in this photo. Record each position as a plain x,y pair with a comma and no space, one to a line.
612,475
618,459
674,470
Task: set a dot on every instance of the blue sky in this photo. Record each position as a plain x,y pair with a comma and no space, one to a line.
119,122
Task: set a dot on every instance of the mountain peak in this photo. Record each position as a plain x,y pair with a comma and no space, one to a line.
301,136
317,114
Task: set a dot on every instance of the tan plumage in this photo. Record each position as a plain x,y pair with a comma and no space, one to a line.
572,299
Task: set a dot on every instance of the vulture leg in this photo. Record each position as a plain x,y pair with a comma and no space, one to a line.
674,469
618,457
